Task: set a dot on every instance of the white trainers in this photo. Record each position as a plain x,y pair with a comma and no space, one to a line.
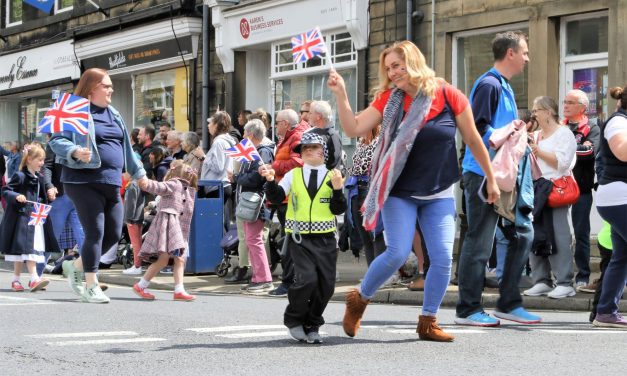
133,270
94,295
562,292
538,289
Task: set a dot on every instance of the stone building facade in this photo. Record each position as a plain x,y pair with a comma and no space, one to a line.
151,48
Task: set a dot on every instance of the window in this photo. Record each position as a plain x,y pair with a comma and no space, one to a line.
472,55
14,12
583,60
341,50
586,36
32,110
297,82
161,96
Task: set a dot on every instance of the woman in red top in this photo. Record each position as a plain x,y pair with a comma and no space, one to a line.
413,171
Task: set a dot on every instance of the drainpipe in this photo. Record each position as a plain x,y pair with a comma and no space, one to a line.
205,77
432,34
409,33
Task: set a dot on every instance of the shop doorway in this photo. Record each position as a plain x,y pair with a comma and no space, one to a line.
591,77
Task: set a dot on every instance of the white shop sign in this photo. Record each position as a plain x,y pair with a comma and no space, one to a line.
38,65
268,22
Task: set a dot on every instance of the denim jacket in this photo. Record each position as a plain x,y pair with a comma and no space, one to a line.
65,143
524,203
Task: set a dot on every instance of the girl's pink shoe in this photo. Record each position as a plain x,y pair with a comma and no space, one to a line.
142,293
183,296
17,286
38,285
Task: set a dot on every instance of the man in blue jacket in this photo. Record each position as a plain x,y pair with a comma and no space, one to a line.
493,106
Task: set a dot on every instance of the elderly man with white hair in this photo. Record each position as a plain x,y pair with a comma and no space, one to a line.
320,118
587,134
173,143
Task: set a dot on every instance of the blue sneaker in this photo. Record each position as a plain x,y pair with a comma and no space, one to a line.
477,319
519,315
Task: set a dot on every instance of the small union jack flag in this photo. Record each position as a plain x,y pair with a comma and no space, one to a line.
68,113
39,214
245,151
307,45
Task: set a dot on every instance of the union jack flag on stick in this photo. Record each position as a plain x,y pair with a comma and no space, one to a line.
245,151
68,113
39,214
308,45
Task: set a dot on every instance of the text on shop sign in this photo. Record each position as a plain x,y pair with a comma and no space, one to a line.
249,25
18,72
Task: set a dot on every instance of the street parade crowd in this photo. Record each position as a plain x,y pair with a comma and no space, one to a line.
525,176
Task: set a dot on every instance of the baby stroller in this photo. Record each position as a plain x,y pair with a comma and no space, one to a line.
229,244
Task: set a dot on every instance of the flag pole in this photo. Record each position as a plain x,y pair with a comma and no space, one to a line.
328,52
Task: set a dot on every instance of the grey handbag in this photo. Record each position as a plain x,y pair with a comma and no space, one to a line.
249,206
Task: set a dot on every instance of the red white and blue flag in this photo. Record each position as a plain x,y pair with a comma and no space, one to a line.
245,151
39,214
307,45
68,113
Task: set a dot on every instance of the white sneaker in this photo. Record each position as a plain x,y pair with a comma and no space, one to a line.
538,289
562,292
133,270
580,284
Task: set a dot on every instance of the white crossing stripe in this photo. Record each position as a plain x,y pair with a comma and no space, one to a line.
447,330
235,328
84,335
16,301
104,341
275,333
585,331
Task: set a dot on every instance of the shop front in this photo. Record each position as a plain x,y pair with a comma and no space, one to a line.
151,67
29,81
253,41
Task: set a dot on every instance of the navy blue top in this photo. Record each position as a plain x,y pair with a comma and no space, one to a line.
432,164
109,138
486,101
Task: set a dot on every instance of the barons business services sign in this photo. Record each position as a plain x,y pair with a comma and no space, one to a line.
38,65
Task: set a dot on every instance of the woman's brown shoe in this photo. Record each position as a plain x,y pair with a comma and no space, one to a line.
355,307
429,330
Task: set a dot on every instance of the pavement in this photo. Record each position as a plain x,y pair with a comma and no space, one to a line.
350,272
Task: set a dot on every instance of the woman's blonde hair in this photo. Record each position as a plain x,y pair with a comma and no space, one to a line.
31,151
179,169
370,136
420,75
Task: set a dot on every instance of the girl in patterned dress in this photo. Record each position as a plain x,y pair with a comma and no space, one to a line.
166,240
19,240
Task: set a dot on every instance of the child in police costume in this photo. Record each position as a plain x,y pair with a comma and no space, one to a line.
315,197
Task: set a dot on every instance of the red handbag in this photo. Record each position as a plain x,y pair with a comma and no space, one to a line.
565,192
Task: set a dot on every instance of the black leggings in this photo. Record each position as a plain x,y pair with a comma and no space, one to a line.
101,213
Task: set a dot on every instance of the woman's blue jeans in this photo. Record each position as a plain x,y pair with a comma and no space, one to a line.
437,222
